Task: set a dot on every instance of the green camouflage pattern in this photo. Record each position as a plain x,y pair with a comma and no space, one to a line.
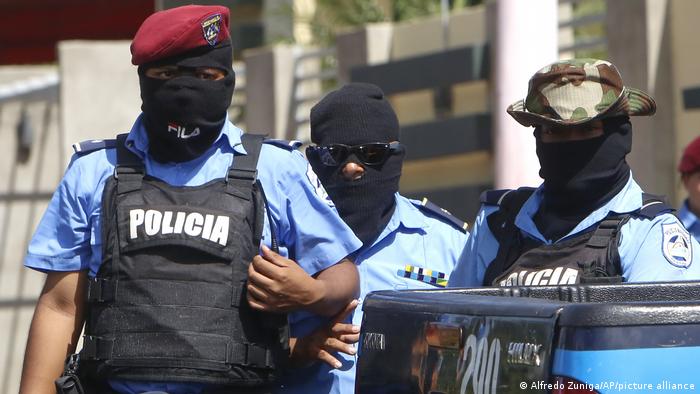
575,91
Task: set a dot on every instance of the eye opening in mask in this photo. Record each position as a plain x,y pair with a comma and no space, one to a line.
167,72
371,154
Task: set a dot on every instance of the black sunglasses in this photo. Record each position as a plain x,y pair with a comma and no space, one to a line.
371,154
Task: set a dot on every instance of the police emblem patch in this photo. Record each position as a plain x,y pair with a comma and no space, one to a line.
211,28
676,245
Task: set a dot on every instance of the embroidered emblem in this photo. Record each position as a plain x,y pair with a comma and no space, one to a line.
435,278
676,245
318,186
211,28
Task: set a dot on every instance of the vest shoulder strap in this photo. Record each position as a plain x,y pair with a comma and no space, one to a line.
245,166
129,170
502,226
125,157
433,209
89,146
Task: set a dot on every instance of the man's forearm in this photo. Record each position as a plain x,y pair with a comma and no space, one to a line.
336,287
53,333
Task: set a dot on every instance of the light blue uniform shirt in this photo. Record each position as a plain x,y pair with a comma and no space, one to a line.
642,254
68,236
689,220
411,240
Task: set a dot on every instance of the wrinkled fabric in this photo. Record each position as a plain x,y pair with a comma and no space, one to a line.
581,176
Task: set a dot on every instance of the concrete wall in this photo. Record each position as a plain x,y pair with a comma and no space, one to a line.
99,90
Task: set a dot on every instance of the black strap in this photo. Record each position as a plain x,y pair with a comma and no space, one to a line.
245,167
96,348
502,225
606,235
129,171
247,354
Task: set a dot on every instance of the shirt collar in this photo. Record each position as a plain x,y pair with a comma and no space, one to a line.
687,217
405,215
137,140
629,199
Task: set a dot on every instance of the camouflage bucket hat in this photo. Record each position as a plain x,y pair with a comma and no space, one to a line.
576,91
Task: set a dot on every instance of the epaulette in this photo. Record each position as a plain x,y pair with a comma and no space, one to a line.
441,213
495,197
284,144
653,206
85,147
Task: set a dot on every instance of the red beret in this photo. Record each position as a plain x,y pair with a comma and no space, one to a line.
177,30
690,162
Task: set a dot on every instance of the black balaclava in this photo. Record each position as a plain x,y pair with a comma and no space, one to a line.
353,115
183,116
581,176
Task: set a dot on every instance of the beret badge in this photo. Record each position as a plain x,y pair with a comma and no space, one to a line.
211,27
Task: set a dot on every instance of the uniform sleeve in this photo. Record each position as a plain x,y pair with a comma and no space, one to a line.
480,251
61,241
658,250
308,227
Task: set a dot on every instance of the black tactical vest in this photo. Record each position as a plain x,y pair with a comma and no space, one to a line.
168,302
588,257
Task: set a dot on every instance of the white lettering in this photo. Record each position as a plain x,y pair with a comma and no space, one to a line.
482,365
210,227
554,280
153,221
541,274
208,223
528,278
179,222
167,222
569,277
135,220
547,276
193,224
220,232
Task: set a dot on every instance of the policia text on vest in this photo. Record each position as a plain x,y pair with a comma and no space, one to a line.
152,222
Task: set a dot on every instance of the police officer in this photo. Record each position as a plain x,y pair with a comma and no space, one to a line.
589,222
150,238
689,168
407,244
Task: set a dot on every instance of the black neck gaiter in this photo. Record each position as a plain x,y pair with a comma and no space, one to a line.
581,176
184,115
366,205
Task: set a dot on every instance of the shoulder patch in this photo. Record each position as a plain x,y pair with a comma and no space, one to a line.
318,186
442,213
284,144
676,245
85,147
